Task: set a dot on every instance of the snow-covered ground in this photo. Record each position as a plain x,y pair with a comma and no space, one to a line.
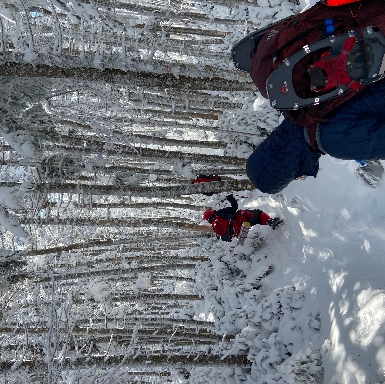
332,250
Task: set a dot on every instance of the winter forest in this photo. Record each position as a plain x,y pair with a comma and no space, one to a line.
108,274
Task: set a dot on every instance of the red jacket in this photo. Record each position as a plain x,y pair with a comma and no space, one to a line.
228,227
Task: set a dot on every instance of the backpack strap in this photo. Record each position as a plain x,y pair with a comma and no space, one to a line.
311,138
230,229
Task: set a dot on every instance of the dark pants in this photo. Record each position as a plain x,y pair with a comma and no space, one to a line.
356,130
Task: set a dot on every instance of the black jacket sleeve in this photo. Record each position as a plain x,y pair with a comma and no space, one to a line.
233,202
229,210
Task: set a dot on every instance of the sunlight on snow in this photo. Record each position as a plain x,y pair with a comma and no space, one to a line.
308,233
300,282
321,253
294,211
339,236
345,214
345,364
344,307
336,280
325,254
366,246
371,319
206,316
274,203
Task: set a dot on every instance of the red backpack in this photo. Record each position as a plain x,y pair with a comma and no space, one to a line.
294,35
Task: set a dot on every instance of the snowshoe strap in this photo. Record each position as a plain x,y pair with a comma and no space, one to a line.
312,132
230,230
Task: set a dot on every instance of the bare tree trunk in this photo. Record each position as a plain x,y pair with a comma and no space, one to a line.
140,191
139,79
114,272
95,243
189,360
133,204
168,156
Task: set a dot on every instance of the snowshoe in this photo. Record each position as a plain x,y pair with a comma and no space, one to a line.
243,233
371,173
243,52
326,77
329,78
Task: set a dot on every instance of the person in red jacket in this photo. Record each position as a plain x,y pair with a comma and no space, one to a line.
227,222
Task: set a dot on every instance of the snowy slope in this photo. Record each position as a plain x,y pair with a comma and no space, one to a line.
319,316
332,248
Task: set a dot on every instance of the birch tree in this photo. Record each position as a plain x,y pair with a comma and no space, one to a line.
108,109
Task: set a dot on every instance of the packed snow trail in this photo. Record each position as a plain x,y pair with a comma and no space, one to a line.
332,249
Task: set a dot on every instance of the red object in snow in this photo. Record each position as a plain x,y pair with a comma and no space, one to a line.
206,178
337,3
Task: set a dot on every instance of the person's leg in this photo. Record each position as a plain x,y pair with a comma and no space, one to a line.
356,130
282,157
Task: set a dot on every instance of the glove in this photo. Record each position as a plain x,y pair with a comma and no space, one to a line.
274,222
